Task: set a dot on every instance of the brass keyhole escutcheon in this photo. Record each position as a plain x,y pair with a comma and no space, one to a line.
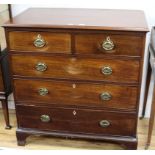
74,85
74,112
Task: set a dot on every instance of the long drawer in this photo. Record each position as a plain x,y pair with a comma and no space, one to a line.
76,120
76,68
40,41
42,92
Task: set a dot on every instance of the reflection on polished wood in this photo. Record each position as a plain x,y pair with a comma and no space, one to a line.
50,143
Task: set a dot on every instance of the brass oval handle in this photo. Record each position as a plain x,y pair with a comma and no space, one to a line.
43,91
105,96
108,44
106,70
104,123
41,67
45,118
39,41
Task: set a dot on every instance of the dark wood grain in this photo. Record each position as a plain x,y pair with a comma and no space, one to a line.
76,93
124,20
55,42
76,68
84,121
129,143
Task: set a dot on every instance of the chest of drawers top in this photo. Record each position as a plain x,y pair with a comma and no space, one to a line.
97,19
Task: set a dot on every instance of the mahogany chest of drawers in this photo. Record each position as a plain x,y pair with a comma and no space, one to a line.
77,73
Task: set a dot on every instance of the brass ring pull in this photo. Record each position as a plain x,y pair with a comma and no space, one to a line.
45,118
108,44
43,91
41,67
104,123
39,42
106,70
105,96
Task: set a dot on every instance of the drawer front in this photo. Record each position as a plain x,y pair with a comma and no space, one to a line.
76,68
108,44
40,42
76,120
76,93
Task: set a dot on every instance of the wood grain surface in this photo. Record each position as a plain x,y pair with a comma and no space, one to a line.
76,68
54,42
75,120
81,19
126,44
75,93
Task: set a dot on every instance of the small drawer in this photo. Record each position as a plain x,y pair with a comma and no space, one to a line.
76,120
39,92
40,42
76,68
108,44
